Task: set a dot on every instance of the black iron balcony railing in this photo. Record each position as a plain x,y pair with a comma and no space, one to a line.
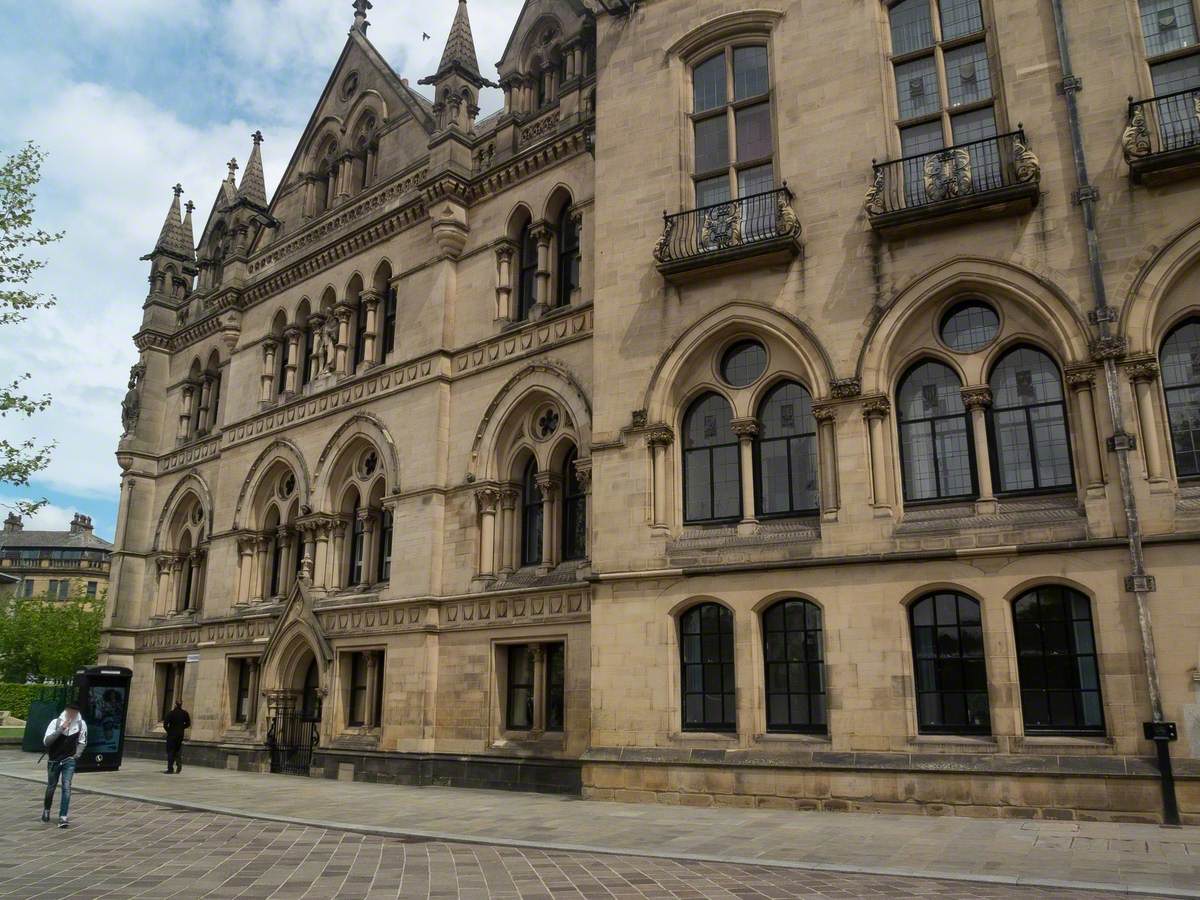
1162,125
977,170
758,223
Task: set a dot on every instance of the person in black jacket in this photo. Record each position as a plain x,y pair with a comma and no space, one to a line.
175,723
64,741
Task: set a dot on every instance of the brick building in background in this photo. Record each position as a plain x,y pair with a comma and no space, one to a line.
55,564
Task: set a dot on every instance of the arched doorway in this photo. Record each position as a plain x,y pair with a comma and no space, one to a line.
294,709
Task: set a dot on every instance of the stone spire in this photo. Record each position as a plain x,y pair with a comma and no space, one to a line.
254,186
360,16
227,193
176,235
459,55
188,231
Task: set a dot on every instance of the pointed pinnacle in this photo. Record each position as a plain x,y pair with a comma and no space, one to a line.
257,137
189,206
233,167
178,189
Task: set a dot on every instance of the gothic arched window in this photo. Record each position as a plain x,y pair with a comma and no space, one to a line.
1180,363
568,256
935,438
383,572
785,453
950,670
712,488
531,516
795,666
574,512
1029,423
389,323
360,335
526,272
708,695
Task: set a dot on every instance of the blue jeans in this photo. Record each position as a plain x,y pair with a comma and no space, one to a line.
64,768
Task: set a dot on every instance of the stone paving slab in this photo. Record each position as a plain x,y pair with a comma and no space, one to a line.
1131,858
129,849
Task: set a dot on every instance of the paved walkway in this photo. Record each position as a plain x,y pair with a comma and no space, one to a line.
1142,859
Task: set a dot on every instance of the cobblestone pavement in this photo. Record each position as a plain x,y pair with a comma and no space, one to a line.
119,848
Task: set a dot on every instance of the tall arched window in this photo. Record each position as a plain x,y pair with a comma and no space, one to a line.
709,698
306,362
1180,364
948,658
389,323
785,453
214,403
531,516
935,438
574,511
1056,662
568,256
1029,423
357,547
383,571
794,658
360,335
281,360
526,272
711,466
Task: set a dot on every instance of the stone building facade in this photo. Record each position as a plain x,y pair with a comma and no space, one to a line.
457,461
54,564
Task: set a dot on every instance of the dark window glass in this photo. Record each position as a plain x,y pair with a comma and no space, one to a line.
306,364
708,84
527,273
574,520
531,517
241,712
750,76
950,671
712,479
276,561
754,139
215,402
357,548
744,363
912,28
281,358
519,713
377,706
712,144
92,587
356,709
1180,364
917,88
556,682
795,674
733,129
383,572
970,326
706,669
389,323
186,600
960,18
1056,662
785,452
568,257
1167,25
172,687
310,698
967,74
935,438
1029,423
360,335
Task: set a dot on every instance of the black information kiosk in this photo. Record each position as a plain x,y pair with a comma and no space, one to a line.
104,699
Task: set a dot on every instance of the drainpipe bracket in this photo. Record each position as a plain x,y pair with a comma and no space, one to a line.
1103,314
1140,584
1086,192
1122,441
1070,84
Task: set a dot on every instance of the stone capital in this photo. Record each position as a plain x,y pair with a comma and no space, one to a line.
509,497
370,297
745,427
825,412
977,397
505,251
583,473
343,311
542,232
660,436
877,407
1081,379
1142,370
486,499
1109,347
548,483
293,333
845,388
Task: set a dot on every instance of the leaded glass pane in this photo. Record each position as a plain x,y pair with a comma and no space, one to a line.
753,125
1180,364
712,191
794,666
1167,25
744,363
911,26
968,77
949,669
712,144
750,72
1029,423
917,88
960,18
708,84
707,683
969,327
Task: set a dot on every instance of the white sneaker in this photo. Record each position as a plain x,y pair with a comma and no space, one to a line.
63,823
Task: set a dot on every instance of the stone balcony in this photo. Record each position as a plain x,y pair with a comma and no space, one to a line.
761,229
1162,138
996,176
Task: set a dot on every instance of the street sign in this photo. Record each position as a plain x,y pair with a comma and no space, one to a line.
1160,731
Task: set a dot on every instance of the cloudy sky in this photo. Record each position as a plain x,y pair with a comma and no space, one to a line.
128,97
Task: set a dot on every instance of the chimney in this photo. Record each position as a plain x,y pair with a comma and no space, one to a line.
13,523
81,523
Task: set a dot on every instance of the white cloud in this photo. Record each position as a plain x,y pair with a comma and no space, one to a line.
124,15
47,518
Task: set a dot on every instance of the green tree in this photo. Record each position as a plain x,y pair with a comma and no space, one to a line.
19,175
47,640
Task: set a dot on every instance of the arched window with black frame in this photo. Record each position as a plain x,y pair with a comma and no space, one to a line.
709,698
306,363
574,512
795,667
785,453
531,516
276,551
526,272
1031,449
1180,366
936,458
568,256
949,663
360,334
281,360
389,323
383,571
712,474
1057,662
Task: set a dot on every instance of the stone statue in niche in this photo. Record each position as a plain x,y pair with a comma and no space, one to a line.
131,406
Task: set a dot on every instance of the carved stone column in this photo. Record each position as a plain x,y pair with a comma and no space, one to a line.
1082,383
876,411
577,223
316,365
746,430
262,568
542,233
508,530
321,555
372,689
178,583
659,439
343,312
345,167
310,196
826,417
268,370
366,519
977,400
337,568
538,657
583,475
206,383
371,343
192,600
287,565
1143,373
504,288
548,483
162,602
185,415
290,381
309,554
245,546
486,499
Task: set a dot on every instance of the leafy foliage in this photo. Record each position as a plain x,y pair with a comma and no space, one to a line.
19,175
17,697
47,640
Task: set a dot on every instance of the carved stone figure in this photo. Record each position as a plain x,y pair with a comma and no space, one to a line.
1028,168
787,223
1135,140
131,406
329,339
874,204
662,249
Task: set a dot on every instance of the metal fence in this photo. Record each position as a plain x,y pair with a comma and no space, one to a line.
1162,124
744,222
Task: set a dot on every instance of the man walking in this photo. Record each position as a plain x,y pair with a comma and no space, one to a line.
175,723
65,739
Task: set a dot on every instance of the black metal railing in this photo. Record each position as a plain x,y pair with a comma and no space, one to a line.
734,224
1162,124
952,173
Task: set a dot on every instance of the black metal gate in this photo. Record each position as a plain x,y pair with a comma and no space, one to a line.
292,736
